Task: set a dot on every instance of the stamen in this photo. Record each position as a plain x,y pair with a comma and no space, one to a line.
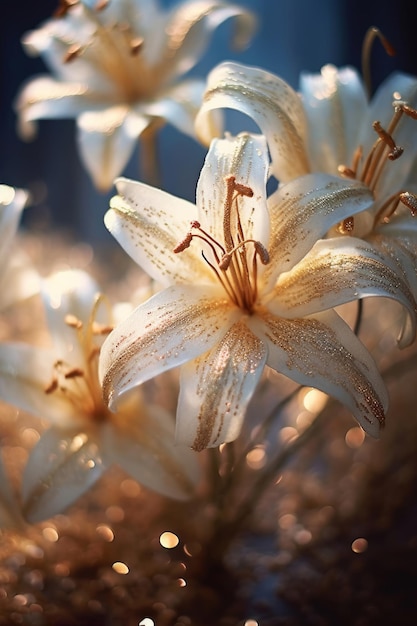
410,201
346,227
346,171
53,385
184,244
136,45
101,329
372,34
76,372
73,321
405,108
262,252
396,151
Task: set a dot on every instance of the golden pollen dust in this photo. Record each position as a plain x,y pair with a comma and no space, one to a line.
371,169
234,260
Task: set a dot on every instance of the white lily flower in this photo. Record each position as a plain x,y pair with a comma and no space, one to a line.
333,128
246,286
117,66
61,385
18,280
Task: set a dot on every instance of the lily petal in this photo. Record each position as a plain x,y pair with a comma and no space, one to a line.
62,466
189,28
216,388
44,98
174,326
70,293
271,103
334,99
337,271
25,374
304,210
179,105
149,224
246,159
323,352
146,450
12,203
18,280
106,140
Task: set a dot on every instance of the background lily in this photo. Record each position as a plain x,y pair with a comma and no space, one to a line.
117,68
18,280
246,287
333,127
61,385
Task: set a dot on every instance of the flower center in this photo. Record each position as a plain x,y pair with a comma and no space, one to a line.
234,260
80,385
370,172
113,50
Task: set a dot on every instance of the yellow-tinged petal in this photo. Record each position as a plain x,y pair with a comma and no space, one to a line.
45,98
216,388
323,352
190,25
271,103
303,211
142,442
246,159
174,326
62,466
149,224
106,140
337,271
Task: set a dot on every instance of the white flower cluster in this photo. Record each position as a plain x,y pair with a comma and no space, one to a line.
248,279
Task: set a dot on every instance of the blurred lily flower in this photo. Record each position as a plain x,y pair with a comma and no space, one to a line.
61,385
248,284
18,280
332,127
117,67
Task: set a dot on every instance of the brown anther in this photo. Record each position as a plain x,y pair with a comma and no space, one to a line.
346,227
76,372
263,252
225,262
63,7
184,244
395,153
409,111
136,45
101,329
195,224
95,351
410,201
384,136
72,53
73,321
53,385
243,190
346,171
